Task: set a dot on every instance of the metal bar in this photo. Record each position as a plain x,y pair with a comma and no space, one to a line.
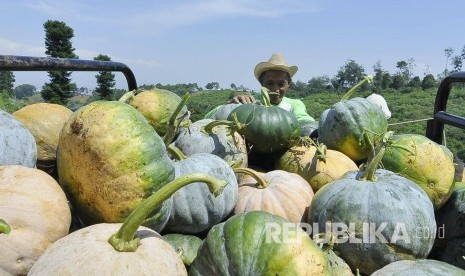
27,63
435,127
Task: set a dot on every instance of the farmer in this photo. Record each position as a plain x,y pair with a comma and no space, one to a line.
275,75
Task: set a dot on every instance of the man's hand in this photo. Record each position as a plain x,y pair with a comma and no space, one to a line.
243,99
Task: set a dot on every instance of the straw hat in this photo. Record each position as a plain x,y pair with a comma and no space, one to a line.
276,62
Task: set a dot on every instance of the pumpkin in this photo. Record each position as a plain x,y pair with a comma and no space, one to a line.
378,216
223,112
115,249
17,144
419,159
44,121
308,127
277,192
352,127
156,105
36,211
109,160
185,245
425,267
204,136
316,164
267,128
194,209
254,243
451,216
452,252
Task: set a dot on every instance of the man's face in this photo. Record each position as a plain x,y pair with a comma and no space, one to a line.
277,82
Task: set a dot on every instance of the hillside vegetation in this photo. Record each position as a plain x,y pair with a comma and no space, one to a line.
410,108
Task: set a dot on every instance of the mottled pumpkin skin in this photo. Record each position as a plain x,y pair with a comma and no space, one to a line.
425,267
392,201
185,245
17,144
304,161
194,208
423,161
231,148
268,128
351,127
36,209
109,160
44,121
157,105
451,216
246,244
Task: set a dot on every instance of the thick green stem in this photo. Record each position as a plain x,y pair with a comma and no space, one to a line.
173,122
321,150
124,241
266,96
261,182
128,96
348,94
176,152
4,227
208,128
369,174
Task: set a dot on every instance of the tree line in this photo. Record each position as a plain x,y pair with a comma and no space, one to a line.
60,87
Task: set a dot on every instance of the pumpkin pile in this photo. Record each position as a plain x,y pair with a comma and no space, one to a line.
139,189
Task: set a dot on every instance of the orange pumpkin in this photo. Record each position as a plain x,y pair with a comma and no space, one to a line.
277,192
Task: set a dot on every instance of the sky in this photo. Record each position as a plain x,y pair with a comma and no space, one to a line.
202,41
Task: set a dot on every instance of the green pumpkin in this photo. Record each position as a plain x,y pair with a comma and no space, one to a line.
253,243
267,128
109,160
423,161
185,245
352,127
377,216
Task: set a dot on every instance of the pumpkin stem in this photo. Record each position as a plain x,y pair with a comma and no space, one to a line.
369,173
348,94
124,241
176,152
266,96
4,227
261,182
174,121
233,126
128,96
321,151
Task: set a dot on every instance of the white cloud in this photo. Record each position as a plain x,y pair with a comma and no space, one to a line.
9,47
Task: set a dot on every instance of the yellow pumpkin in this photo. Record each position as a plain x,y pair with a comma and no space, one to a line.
316,164
44,121
35,209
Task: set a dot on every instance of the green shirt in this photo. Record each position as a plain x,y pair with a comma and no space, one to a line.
297,107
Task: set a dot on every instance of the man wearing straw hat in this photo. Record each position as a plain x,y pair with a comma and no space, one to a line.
276,75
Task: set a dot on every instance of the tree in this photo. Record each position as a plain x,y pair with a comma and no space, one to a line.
398,81
428,82
105,81
386,80
7,79
457,63
212,85
24,90
58,44
378,77
415,82
448,52
406,68
319,84
349,74
233,86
